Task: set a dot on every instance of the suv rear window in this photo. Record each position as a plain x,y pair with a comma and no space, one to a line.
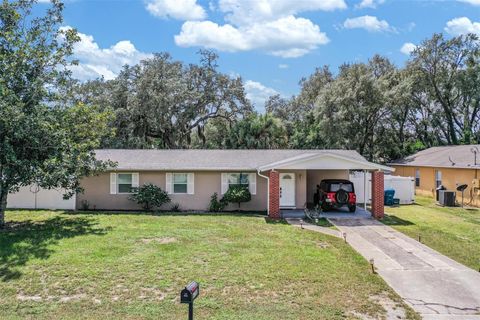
334,187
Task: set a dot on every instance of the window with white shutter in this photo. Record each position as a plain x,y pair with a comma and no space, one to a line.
252,183
191,183
180,183
113,183
249,180
168,183
224,182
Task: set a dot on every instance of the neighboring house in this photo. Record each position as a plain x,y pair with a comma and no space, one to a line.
276,178
449,166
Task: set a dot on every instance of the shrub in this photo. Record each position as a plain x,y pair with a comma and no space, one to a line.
150,196
175,207
85,205
215,205
237,194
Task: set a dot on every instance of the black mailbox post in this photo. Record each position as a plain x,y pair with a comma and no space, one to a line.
188,295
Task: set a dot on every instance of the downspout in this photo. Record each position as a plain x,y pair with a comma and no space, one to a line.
268,190
365,189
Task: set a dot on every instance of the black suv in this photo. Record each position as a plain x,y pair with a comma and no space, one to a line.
336,193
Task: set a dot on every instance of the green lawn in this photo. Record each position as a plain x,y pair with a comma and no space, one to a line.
454,232
56,265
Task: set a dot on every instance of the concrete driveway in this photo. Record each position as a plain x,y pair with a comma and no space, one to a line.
432,284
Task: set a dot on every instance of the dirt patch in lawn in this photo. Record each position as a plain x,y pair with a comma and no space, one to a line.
159,240
394,309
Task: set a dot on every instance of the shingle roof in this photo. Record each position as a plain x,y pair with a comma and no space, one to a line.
448,156
128,159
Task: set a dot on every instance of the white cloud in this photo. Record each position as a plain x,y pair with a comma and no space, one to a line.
176,9
95,62
283,66
242,12
369,4
369,23
462,25
474,2
258,94
407,48
287,37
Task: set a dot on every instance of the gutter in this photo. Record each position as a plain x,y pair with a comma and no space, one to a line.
268,190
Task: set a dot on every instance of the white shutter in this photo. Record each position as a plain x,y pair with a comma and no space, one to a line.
135,180
252,183
113,183
224,182
190,183
169,183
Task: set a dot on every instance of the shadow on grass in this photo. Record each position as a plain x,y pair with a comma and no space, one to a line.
25,240
169,213
275,221
391,220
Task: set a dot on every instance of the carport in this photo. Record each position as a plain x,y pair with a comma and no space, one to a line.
290,181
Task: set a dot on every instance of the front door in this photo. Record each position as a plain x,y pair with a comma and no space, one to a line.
287,190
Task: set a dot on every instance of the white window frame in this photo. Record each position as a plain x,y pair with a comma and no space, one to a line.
114,185
170,185
417,177
438,178
252,181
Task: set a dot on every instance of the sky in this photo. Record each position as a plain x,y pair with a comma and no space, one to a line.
271,44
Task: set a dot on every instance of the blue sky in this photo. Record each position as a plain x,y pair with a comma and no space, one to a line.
271,44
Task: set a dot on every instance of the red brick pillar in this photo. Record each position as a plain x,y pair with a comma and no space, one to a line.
377,194
274,195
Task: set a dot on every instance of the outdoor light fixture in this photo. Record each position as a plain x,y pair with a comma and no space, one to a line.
372,264
345,236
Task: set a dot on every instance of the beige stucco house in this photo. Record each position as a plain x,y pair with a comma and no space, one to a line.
449,166
277,179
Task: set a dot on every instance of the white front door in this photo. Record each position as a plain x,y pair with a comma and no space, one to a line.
287,190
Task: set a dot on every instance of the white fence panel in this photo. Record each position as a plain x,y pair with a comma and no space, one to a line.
404,187
31,197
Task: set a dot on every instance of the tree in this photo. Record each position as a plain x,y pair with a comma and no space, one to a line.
447,85
42,140
236,194
160,103
150,196
257,132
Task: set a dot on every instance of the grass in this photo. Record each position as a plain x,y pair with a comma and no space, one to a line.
60,265
454,232
323,222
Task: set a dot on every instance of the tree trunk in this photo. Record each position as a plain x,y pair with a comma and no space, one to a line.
3,205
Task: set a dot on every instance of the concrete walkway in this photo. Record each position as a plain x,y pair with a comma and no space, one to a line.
432,284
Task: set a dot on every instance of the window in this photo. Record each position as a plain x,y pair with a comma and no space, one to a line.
180,182
438,178
334,187
248,180
238,179
417,177
123,182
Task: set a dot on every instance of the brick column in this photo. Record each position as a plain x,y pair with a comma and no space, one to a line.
274,195
377,194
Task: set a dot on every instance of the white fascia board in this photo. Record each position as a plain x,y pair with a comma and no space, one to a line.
301,163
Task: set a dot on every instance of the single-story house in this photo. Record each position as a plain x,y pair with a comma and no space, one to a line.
449,166
277,179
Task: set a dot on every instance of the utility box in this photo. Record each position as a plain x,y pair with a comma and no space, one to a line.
446,198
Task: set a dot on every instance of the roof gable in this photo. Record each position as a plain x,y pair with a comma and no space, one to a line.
443,157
